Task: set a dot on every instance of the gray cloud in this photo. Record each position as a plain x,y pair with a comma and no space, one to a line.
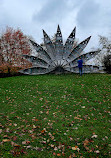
53,11
91,17
94,14
89,14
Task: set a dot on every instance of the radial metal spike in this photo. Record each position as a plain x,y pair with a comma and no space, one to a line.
45,35
42,54
58,28
71,37
77,50
69,44
49,45
80,47
59,45
85,57
58,34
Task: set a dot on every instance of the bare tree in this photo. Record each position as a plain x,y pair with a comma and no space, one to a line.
103,50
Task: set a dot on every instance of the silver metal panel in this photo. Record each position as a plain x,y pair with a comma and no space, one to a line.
36,70
85,58
42,54
69,44
59,45
78,49
49,46
86,69
36,61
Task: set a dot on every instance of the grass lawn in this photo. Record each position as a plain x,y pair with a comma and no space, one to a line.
49,116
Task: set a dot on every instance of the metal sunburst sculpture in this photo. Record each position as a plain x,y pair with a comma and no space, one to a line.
54,57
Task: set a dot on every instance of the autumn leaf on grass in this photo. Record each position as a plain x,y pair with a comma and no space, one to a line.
35,119
41,99
94,136
0,131
6,140
5,136
73,155
86,142
14,144
97,151
34,126
54,153
77,118
58,154
83,107
42,131
52,145
55,148
14,138
47,112
18,151
75,148
26,142
33,136
15,124
60,145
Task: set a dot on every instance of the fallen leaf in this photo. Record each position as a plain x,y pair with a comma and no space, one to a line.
97,151
6,140
14,144
43,131
74,155
83,107
74,148
14,138
55,148
0,131
58,154
26,142
52,145
47,112
94,136
54,153
86,142
34,126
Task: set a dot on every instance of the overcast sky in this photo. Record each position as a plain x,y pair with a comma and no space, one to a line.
91,17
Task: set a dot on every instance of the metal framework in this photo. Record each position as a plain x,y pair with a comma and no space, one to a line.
54,57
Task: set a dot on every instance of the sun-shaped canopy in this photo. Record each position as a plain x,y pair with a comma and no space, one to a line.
56,57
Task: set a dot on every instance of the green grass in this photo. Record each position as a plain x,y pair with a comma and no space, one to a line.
50,116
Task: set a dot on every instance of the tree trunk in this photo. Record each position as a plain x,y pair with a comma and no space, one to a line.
8,71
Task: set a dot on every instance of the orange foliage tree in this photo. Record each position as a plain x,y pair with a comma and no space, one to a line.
13,44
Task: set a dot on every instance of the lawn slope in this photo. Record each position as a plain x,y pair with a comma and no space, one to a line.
50,116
